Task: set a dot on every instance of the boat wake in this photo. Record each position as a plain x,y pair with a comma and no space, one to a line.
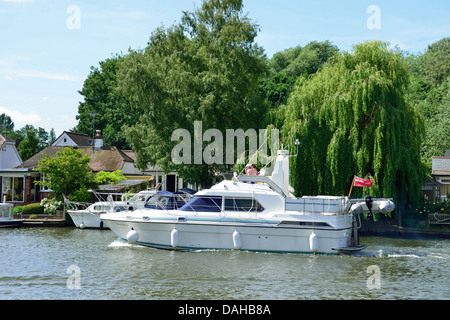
120,243
392,253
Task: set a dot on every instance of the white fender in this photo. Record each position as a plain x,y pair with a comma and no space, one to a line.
174,238
132,236
237,240
313,242
82,226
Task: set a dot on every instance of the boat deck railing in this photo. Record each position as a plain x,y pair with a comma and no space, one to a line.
6,210
317,205
263,179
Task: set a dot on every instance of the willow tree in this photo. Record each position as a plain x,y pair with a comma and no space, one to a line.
352,119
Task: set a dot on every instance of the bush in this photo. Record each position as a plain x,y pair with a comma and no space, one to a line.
51,205
17,210
33,208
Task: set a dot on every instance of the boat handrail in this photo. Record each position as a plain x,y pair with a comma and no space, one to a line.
6,210
76,205
263,179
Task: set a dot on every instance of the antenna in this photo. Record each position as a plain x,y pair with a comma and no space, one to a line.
93,121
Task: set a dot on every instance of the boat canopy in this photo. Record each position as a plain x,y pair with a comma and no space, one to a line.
165,200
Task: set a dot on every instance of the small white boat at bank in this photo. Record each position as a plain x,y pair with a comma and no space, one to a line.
89,217
6,217
253,213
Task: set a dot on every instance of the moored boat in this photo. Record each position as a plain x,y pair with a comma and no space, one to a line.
6,217
88,215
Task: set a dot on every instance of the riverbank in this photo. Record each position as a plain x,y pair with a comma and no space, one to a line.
43,220
45,223
390,228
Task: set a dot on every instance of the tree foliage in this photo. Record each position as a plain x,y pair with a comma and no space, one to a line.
351,118
297,61
106,177
66,173
429,92
205,68
285,67
29,140
104,108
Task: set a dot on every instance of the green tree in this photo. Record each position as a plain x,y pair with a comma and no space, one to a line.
6,123
30,145
285,68
299,61
67,173
428,92
352,118
434,64
30,140
105,177
205,68
104,108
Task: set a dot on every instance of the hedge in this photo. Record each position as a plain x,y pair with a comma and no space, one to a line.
33,208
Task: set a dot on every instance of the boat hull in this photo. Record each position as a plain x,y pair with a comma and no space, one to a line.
11,223
264,237
85,219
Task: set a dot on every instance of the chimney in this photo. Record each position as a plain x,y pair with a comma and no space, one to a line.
98,140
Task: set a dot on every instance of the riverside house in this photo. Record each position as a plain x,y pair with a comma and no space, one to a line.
12,185
440,171
18,180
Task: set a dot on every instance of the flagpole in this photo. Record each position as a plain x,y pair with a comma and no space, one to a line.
353,182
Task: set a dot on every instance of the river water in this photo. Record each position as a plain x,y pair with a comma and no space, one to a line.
70,263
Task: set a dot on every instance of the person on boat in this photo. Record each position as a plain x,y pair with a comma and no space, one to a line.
250,170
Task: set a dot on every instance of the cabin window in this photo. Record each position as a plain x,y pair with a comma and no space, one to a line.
203,204
243,204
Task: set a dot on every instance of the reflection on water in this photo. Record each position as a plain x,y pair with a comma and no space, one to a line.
35,265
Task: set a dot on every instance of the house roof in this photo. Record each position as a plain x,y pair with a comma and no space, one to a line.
81,139
5,139
104,159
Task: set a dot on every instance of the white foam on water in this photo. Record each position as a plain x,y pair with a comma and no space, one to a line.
402,255
120,243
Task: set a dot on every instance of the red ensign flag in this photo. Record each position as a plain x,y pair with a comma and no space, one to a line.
360,182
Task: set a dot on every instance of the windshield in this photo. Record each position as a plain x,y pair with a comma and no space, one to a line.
203,204
157,202
139,197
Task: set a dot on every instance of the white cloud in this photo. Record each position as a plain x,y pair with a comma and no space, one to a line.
21,119
48,75
17,1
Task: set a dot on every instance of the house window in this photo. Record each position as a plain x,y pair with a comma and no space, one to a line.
44,188
13,189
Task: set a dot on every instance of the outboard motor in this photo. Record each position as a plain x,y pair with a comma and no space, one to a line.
369,202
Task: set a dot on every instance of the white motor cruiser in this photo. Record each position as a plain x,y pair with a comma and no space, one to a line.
254,213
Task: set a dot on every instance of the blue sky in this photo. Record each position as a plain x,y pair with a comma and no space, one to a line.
48,46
